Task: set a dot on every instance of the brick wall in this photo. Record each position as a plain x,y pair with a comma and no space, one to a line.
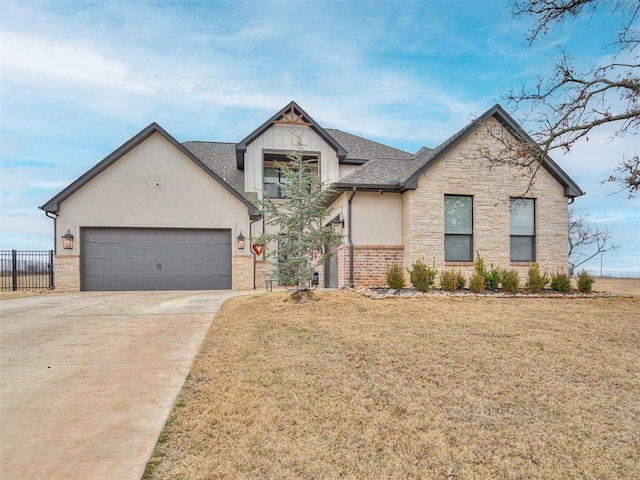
67,273
370,264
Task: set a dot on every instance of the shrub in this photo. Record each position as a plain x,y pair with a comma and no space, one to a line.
478,265
477,283
510,280
585,281
422,275
492,279
560,282
451,280
536,281
395,276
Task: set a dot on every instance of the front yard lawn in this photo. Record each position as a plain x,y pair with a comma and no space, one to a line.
440,387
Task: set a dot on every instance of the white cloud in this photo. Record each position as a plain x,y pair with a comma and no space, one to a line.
39,58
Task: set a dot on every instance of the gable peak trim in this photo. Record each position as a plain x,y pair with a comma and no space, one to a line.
291,114
293,118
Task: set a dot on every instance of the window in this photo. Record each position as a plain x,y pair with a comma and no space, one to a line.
523,230
458,228
273,182
274,178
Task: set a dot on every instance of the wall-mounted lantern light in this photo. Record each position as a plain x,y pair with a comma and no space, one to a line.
337,222
240,240
67,240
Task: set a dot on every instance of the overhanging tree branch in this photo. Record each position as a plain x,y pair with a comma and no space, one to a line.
567,105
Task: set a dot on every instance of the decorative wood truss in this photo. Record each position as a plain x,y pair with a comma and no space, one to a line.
292,118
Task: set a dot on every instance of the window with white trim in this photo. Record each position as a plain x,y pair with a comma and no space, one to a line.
458,228
522,213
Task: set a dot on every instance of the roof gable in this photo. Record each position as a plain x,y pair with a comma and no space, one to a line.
571,189
290,114
53,205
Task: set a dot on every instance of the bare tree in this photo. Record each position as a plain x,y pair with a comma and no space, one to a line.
586,241
568,104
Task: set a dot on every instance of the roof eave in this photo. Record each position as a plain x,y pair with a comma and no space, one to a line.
353,161
376,187
53,205
571,189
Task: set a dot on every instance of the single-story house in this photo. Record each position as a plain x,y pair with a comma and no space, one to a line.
157,214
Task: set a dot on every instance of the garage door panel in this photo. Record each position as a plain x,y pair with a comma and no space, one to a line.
155,259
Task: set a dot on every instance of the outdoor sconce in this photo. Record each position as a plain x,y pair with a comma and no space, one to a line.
240,239
337,222
67,240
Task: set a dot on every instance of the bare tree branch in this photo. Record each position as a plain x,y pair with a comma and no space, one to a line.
586,241
568,105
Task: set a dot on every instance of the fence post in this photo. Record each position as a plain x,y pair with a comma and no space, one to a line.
14,270
51,275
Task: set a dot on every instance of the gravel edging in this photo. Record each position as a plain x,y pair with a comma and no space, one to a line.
376,293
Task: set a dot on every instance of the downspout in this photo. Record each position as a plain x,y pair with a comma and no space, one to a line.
349,237
55,231
52,278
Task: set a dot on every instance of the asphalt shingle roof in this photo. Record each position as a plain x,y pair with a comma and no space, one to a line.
359,148
387,171
384,164
221,158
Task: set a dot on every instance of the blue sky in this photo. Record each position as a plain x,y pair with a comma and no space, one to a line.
79,78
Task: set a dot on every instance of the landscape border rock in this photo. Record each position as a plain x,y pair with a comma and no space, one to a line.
377,293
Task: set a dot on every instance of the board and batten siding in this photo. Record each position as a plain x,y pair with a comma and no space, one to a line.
281,138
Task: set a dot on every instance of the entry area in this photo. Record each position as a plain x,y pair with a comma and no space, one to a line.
138,259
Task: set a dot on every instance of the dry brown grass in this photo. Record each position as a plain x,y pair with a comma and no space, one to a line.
438,387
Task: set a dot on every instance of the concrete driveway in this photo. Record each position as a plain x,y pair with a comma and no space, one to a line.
87,380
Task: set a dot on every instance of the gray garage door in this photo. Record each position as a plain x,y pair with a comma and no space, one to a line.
155,259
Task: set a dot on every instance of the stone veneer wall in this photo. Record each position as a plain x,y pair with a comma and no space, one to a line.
242,272
262,267
370,263
464,172
67,273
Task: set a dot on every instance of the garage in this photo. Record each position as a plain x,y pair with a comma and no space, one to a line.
116,259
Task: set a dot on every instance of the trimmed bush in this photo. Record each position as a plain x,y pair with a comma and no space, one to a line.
492,279
536,281
585,282
477,283
451,280
560,282
461,280
395,276
478,265
510,280
421,275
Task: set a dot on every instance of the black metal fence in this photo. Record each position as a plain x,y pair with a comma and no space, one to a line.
26,270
